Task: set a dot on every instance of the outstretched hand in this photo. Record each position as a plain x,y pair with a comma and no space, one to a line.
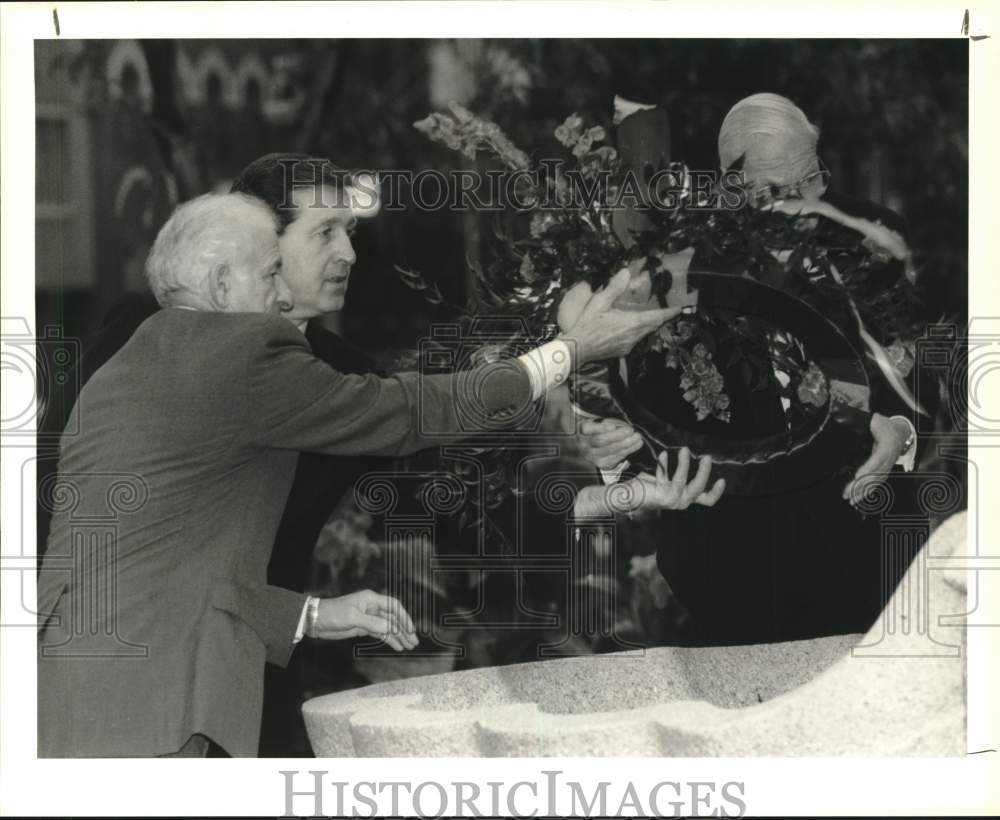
365,613
650,493
596,330
661,492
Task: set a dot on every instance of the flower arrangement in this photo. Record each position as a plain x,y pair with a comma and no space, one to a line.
587,214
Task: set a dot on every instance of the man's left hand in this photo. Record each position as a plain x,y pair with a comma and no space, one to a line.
607,443
365,613
889,442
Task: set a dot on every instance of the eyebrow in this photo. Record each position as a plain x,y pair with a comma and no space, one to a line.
334,219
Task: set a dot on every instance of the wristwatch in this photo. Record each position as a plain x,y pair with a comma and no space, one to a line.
911,435
312,615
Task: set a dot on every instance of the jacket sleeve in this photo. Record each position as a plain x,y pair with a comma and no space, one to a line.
297,402
272,612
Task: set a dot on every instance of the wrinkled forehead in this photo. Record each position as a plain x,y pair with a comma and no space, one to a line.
316,205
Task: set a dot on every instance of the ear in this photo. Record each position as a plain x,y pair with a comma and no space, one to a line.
219,286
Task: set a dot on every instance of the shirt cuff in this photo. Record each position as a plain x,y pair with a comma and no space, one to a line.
611,476
547,366
300,630
908,459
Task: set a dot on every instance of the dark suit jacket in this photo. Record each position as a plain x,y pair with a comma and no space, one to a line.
801,563
208,412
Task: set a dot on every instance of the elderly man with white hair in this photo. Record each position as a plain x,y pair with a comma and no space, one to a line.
218,253
204,411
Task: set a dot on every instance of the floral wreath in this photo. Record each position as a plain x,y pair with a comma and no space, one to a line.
770,317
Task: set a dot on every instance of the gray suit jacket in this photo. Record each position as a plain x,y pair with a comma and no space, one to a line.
155,615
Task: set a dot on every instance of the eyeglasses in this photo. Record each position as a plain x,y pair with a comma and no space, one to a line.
766,194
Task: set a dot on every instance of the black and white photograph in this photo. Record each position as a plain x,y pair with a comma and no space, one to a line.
410,400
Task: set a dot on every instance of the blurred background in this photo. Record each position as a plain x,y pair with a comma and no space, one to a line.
127,129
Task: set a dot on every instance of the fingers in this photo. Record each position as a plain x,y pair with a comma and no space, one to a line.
868,468
646,321
675,493
616,286
607,443
859,488
400,619
390,610
612,458
626,439
606,433
661,468
708,499
679,480
391,606
591,427
573,303
696,488
381,628
601,300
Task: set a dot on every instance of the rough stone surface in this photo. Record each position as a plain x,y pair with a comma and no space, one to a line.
899,690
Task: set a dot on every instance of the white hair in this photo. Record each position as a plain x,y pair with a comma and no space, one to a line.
760,117
201,235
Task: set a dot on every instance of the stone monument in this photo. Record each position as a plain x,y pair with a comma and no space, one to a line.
897,690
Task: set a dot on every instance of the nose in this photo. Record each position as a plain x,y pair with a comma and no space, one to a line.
345,250
283,297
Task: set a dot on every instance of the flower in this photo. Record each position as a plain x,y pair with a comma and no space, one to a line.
569,132
702,384
813,388
463,131
902,356
541,221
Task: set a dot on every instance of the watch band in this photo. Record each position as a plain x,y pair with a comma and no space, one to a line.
312,615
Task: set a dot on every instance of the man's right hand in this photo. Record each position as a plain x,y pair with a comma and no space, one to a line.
365,613
604,332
